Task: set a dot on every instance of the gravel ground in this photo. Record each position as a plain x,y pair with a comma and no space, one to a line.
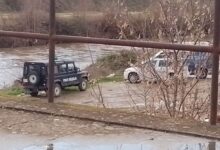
43,125
121,95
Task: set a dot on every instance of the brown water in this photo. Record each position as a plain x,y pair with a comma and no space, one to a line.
137,141
11,60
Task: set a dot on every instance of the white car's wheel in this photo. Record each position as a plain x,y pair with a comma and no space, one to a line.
202,74
133,77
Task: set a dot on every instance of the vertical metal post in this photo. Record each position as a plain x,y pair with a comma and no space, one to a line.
52,32
215,73
212,146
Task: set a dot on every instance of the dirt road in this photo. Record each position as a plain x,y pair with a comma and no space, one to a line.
42,125
122,95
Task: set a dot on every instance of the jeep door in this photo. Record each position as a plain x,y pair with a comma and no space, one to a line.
74,77
61,74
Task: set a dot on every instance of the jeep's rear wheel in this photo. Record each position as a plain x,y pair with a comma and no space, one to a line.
57,90
83,85
33,78
34,94
133,77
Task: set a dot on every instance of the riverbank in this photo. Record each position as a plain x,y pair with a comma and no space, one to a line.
12,59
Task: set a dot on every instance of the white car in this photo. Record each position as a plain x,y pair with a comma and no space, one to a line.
152,70
158,67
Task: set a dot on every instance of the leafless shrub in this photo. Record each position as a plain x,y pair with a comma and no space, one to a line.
175,91
98,95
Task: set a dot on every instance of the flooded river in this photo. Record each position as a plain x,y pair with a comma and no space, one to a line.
135,141
11,60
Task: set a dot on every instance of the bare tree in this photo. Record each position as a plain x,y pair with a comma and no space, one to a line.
178,21
181,21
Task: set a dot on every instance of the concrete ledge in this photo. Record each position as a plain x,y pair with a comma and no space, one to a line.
116,117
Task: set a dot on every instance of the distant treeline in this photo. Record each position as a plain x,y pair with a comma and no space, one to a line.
66,5
159,20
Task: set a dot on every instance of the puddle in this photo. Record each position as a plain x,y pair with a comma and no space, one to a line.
66,146
142,140
144,145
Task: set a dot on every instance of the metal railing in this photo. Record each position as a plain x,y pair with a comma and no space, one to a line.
52,38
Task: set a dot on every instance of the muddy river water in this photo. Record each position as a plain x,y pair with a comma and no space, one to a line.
11,60
135,141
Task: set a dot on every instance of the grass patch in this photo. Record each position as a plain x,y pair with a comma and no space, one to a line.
70,89
117,78
12,91
114,63
118,61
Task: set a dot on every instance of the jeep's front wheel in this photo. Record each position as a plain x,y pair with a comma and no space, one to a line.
83,85
57,90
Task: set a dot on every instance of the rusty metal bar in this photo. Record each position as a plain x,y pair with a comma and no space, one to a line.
25,35
133,43
215,73
52,32
212,145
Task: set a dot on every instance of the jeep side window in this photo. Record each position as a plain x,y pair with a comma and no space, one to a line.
71,67
33,68
62,68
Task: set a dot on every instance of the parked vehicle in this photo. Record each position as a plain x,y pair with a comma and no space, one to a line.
152,70
159,66
200,64
35,77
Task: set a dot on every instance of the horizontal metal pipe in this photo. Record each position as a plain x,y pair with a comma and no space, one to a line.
132,43
25,35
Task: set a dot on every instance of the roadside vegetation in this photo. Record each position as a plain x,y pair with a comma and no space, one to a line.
111,67
73,5
178,97
118,19
14,90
